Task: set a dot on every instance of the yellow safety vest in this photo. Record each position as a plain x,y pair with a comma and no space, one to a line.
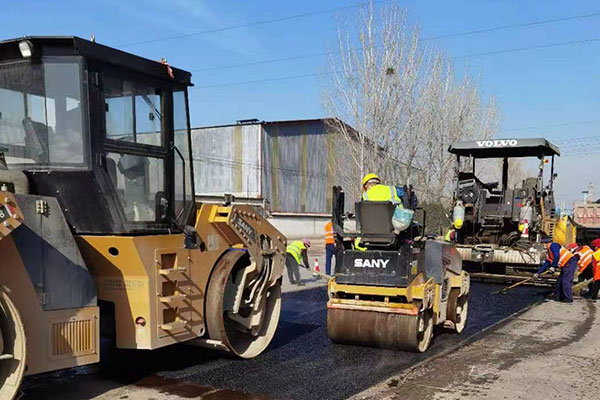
295,249
447,237
357,245
381,193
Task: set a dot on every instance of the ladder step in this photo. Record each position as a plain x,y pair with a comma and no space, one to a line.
173,325
172,271
172,299
6,357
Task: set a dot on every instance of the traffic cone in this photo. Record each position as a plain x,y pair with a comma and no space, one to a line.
316,270
525,233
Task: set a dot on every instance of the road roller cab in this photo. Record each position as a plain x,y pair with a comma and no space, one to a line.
99,224
390,288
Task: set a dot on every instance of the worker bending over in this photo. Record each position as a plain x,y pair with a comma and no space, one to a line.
561,258
587,266
296,255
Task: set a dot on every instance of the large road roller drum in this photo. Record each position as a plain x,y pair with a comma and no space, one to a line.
12,347
245,329
381,329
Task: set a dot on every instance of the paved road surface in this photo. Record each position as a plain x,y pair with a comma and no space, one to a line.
301,363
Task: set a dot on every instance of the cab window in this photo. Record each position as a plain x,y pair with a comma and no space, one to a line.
133,112
41,114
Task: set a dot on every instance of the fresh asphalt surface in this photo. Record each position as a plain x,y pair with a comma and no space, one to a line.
300,363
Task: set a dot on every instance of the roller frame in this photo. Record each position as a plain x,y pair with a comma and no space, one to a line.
393,325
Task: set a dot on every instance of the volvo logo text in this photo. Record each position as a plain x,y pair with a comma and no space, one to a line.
497,143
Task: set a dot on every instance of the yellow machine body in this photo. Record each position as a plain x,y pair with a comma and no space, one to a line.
399,317
161,292
565,231
100,231
155,280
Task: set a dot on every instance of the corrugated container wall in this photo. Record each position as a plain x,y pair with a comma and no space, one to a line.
298,159
587,214
227,160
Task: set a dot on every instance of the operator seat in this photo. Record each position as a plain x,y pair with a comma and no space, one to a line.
36,140
375,222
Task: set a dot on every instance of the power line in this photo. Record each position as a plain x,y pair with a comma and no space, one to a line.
527,48
559,124
511,26
247,25
518,49
437,37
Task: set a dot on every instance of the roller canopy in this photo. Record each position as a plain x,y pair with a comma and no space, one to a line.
500,148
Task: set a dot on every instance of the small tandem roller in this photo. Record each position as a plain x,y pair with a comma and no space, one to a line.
393,293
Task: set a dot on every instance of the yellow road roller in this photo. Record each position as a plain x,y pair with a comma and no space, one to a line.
100,232
391,288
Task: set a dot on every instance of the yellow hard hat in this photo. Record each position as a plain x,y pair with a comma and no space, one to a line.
368,177
458,223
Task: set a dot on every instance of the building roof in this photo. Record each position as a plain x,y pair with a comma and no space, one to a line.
500,148
255,121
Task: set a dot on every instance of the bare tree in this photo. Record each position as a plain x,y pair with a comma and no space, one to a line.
403,99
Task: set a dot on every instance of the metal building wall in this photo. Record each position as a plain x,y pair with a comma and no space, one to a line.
227,160
297,158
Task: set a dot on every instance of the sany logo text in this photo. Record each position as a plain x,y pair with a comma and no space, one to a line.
497,143
367,263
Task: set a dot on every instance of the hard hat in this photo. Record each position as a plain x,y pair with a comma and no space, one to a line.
546,240
306,242
458,223
368,177
595,243
572,246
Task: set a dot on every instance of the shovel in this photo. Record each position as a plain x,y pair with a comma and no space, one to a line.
514,285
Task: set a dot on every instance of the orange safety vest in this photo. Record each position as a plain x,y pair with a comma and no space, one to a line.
585,254
565,256
329,239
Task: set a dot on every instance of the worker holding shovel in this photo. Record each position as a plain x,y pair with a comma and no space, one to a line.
588,269
561,258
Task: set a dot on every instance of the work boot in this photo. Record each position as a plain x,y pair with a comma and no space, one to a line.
300,284
566,301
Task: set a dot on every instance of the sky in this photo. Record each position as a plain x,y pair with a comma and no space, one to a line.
551,92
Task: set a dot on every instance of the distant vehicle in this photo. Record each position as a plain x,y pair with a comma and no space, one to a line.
498,229
587,218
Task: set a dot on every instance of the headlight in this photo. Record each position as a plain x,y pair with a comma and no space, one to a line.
26,48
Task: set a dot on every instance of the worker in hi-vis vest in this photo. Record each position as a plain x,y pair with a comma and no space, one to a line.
559,257
374,190
329,246
587,266
296,255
